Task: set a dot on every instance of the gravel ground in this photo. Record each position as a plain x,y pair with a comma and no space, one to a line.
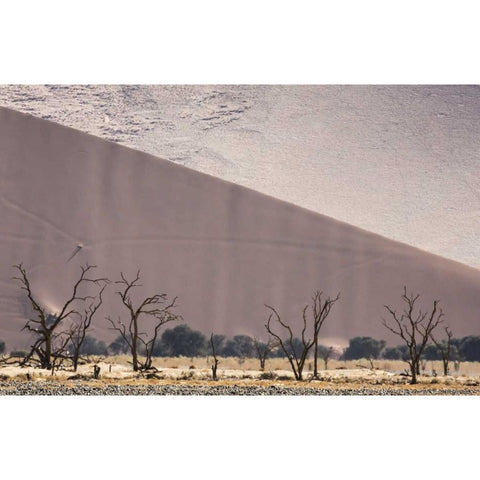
51,388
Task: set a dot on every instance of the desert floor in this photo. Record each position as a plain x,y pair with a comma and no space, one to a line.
236,376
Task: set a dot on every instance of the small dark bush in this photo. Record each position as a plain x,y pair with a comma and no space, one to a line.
18,353
181,341
363,347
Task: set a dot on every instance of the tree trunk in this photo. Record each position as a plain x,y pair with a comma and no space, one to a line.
75,362
445,366
214,369
300,371
134,359
134,345
413,369
294,369
315,358
47,358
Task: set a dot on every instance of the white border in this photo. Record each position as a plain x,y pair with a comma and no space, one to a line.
247,42
251,41
238,438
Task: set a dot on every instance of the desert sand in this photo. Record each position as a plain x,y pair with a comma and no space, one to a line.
192,376
68,198
398,160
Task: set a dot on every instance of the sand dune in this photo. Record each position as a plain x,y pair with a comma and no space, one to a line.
398,160
68,198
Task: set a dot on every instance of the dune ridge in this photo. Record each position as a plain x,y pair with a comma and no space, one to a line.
68,198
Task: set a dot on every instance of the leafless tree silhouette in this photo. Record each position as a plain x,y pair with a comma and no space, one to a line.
445,348
78,330
296,359
320,310
263,350
51,330
215,359
326,354
415,328
60,353
155,307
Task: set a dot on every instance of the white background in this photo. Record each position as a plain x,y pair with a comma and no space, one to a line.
250,42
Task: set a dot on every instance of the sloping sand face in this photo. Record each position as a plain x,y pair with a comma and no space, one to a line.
402,161
68,198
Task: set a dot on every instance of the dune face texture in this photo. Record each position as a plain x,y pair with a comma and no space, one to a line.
69,198
402,161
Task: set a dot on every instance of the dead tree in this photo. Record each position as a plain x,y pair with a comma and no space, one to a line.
215,359
155,307
326,354
445,348
296,359
415,328
320,310
149,345
60,343
47,327
78,331
263,350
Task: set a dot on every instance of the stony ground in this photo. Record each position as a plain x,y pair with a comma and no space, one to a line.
15,387
117,378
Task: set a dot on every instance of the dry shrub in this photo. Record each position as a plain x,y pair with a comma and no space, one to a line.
186,376
471,382
79,376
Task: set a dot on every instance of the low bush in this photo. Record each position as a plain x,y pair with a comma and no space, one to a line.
268,376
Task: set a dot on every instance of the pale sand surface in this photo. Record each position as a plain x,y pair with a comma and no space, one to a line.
117,370
223,249
402,161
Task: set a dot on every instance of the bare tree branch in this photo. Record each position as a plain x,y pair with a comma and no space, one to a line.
215,359
78,331
49,328
445,348
296,360
263,350
156,307
320,309
413,328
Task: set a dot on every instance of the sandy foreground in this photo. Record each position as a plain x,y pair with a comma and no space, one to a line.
119,379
